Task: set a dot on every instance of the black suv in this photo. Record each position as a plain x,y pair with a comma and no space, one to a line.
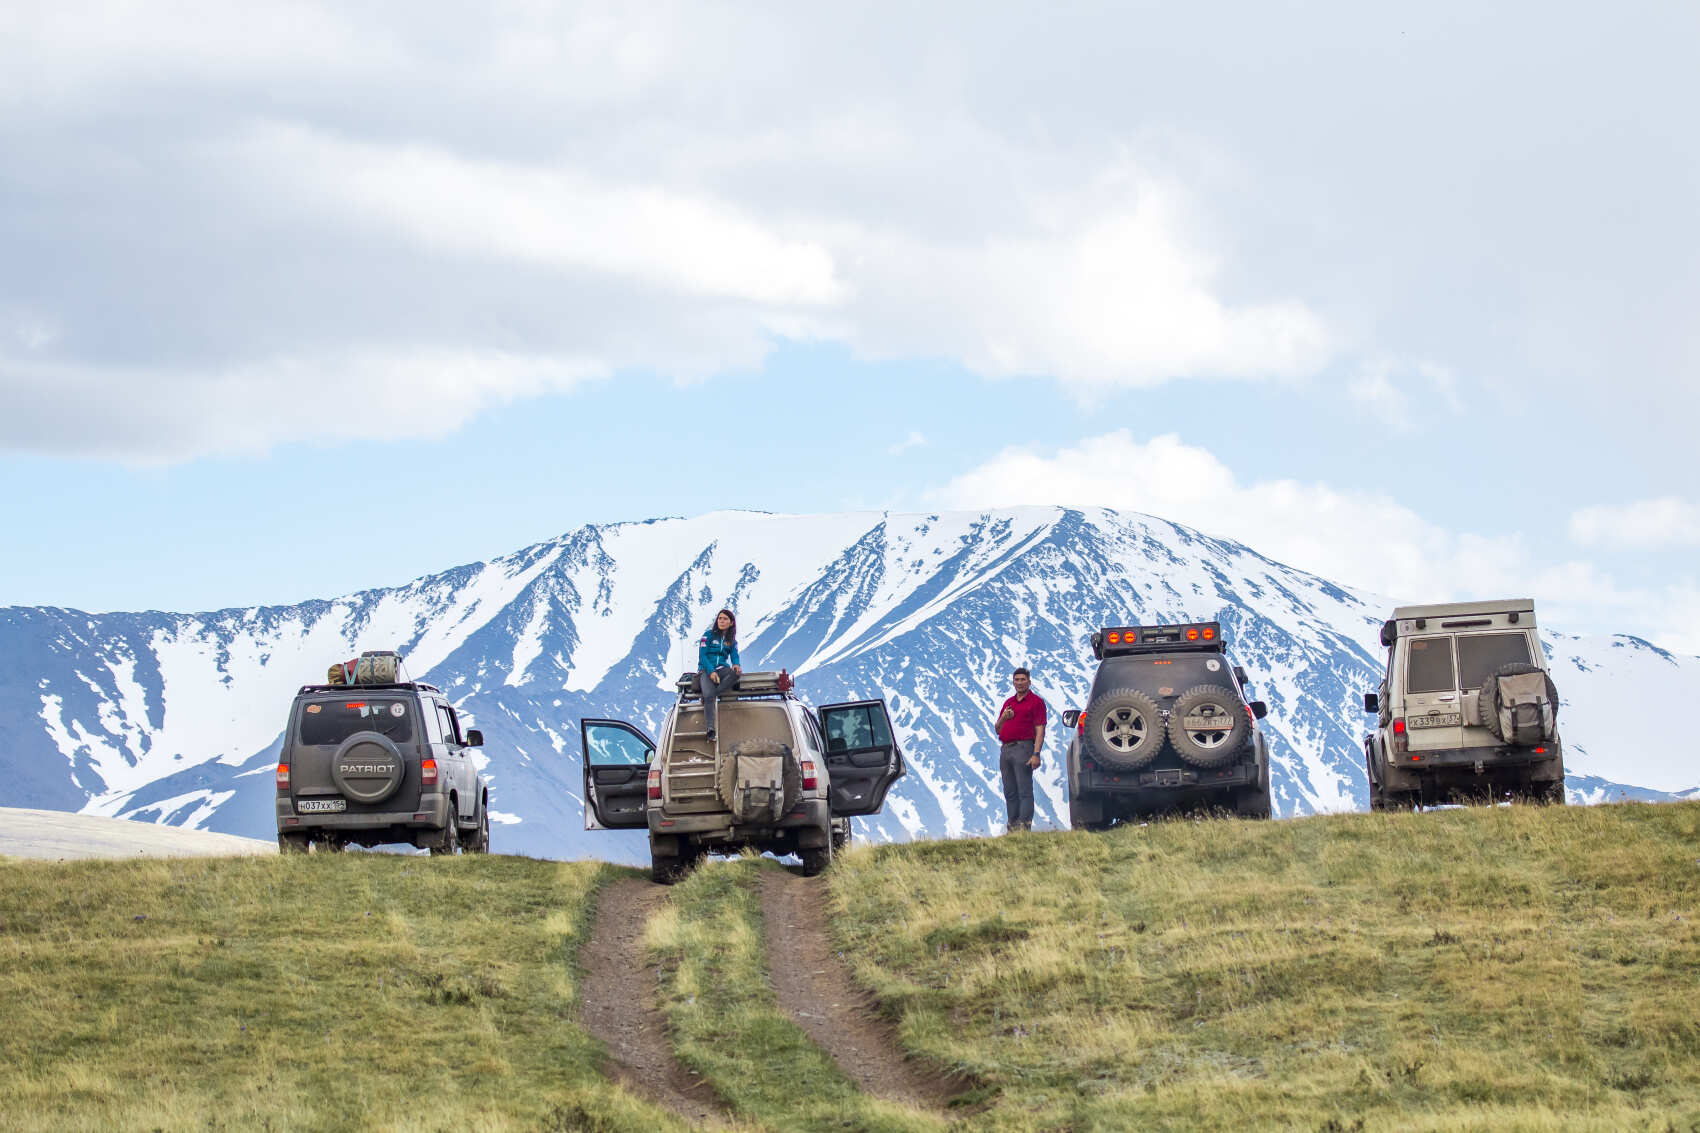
372,763
1168,727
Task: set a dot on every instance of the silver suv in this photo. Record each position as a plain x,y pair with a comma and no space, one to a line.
777,777
1466,711
373,763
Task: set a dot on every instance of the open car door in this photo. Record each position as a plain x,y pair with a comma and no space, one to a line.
861,756
617,757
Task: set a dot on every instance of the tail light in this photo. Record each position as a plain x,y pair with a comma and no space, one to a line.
428,772
1400,739
1080,724
1399,726
283,776
654,791
809,780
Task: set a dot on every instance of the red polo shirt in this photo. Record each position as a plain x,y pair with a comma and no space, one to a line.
1029,717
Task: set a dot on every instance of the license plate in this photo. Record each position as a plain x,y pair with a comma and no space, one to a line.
1438,720
320,806
1217,723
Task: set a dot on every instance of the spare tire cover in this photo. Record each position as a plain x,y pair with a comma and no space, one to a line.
1487,700
1208,725
1124,729
368,767
791,780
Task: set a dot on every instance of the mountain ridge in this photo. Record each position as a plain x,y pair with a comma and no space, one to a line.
174,717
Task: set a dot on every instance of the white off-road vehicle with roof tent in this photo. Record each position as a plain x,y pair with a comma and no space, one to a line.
1168,726
1466,711
777,777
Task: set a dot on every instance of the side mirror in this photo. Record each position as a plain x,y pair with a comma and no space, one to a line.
474,738
1258,709
1071,717
1372,702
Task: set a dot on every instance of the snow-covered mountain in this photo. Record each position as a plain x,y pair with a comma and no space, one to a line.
176,717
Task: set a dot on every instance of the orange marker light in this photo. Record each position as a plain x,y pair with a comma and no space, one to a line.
1192,635
1115,638
1209,634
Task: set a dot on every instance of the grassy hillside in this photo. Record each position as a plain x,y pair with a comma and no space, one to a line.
1520,968
356,991
1504,968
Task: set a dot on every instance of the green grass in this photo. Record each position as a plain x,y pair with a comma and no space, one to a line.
1520,968
727,1026
355,991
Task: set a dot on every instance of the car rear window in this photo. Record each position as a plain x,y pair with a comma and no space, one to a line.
1164,677
326,723
1428,668
1479,654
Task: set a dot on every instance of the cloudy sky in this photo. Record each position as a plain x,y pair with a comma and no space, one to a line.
1405,299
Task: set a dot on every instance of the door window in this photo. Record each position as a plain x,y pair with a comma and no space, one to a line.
1428,665
433,723
1479,654
610,744
451,726
858,728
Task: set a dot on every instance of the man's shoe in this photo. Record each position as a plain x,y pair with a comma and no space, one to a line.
711,733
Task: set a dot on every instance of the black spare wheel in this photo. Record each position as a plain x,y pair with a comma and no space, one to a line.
1124,730
1208,726
368,768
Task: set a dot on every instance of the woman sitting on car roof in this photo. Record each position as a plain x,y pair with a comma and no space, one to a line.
718,665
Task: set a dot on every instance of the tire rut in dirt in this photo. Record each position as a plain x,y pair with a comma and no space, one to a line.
617,1005
814,988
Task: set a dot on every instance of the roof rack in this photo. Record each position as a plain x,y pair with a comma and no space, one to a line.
403,686
751,686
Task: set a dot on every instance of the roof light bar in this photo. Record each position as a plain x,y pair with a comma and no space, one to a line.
1119,641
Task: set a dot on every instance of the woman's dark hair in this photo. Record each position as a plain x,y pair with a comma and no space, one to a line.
731,630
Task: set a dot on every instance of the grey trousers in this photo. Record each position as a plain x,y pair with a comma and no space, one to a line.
1017,781
712,685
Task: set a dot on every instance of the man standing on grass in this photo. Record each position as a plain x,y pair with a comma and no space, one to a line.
1021,731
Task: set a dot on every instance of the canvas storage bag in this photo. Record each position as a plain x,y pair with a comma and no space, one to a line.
377,667
1525,712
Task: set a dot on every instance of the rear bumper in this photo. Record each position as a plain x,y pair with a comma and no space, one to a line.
433,804
1462,767
718,825
1166,779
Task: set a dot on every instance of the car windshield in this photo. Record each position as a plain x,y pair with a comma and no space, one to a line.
1479,654
326,723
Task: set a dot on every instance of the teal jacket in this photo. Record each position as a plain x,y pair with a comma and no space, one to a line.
713,651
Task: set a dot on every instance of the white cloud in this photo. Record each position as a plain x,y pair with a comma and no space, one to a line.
151,417
1360,539
913,440
1643,525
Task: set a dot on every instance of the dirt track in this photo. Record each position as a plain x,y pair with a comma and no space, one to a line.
618,1004
815,990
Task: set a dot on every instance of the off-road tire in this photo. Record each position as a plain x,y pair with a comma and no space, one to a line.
665,869
479,840
1487,703
839,841
816,861
1085,814
1124,729
1254,802
448,842
1208,747
293,843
